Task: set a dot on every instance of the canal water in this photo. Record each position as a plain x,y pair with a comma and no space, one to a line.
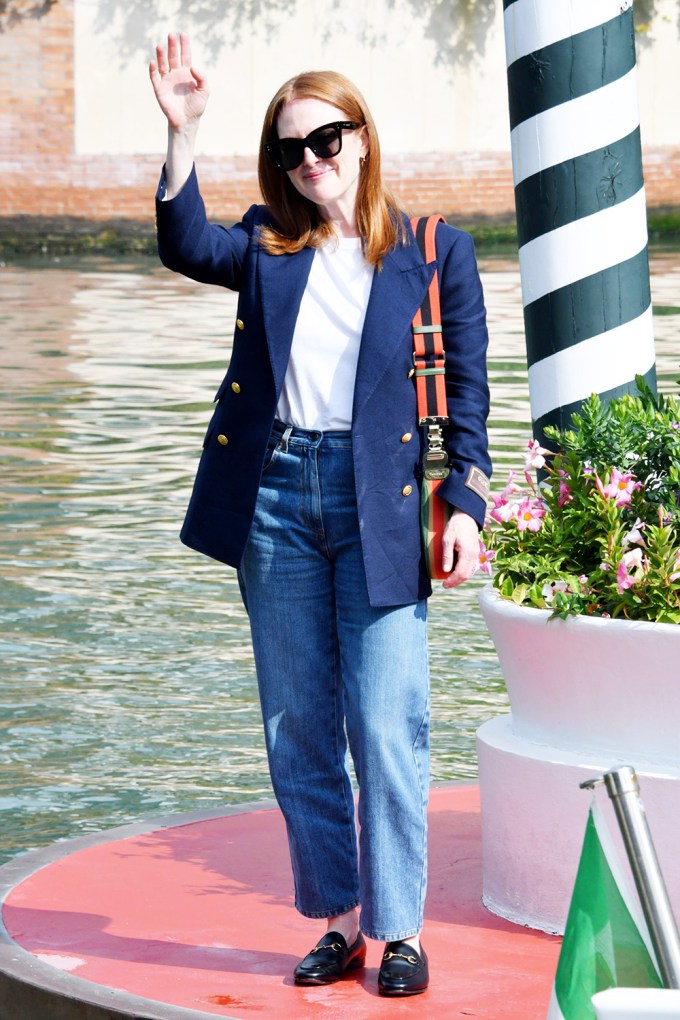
127,687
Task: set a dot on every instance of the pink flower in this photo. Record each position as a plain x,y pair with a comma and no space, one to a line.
503,510
634,536
485,557
620,487
664,518
565,494
624,578
511,487
529,515
633,558
535,458
624,575
548,590
675,576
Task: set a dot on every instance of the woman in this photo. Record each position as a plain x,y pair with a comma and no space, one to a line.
308,485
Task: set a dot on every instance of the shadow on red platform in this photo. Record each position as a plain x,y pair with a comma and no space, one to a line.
194,918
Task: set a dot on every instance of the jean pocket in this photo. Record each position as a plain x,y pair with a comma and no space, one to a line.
271,454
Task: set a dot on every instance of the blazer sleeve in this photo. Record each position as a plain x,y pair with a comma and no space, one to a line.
465,343
189,244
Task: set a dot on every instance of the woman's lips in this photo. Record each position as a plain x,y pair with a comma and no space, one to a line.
315,175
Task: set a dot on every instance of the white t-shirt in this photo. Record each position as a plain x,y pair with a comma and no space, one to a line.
318,388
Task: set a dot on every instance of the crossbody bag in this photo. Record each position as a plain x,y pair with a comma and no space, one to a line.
430,382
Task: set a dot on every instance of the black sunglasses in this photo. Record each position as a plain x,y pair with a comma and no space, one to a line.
325,141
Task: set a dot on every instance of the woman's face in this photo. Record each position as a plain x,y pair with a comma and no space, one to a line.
330,183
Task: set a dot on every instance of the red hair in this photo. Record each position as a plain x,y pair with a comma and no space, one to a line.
299,222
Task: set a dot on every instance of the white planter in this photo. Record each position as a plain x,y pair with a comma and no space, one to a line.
635,1003
587,695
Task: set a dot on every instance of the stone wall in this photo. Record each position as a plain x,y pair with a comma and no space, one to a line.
42,174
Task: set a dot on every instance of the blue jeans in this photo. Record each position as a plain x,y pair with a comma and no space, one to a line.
331,670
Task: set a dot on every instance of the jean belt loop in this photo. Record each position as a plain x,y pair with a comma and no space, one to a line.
283,442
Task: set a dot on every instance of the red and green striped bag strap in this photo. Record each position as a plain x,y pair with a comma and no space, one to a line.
429,364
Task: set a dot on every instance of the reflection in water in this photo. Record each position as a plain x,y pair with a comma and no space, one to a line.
127,685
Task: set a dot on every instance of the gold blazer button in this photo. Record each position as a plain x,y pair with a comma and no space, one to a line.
235,387
222,440
240,324
407,437
407,490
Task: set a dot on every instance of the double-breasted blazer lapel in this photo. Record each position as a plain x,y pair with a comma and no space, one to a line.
397,292
283,279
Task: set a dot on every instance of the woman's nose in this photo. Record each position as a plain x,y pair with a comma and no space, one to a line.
309,158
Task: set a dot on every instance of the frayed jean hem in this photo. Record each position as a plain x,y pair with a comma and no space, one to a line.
392,936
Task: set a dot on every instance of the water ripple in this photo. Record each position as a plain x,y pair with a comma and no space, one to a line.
128,685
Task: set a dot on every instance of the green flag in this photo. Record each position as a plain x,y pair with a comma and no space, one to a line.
606,942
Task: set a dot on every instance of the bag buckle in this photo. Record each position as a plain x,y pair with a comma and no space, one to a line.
435,459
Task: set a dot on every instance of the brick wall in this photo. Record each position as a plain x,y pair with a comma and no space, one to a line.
662,176
36,90
41,175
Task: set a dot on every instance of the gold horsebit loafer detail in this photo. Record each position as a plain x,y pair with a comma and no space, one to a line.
330,959
393,956
403,971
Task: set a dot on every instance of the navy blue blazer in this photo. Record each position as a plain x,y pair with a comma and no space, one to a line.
387,468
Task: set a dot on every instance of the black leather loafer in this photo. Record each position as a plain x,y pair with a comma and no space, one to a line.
330,959
403,971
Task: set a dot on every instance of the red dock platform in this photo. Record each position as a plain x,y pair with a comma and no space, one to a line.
192,917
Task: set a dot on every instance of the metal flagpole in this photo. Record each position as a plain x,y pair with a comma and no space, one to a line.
623,789
580,200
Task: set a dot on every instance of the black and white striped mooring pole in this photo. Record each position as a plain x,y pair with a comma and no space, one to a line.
580,199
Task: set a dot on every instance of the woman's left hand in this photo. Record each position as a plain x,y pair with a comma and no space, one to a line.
460,540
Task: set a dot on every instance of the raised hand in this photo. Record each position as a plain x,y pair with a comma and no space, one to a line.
182,91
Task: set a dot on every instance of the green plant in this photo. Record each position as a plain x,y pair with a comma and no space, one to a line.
600,533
